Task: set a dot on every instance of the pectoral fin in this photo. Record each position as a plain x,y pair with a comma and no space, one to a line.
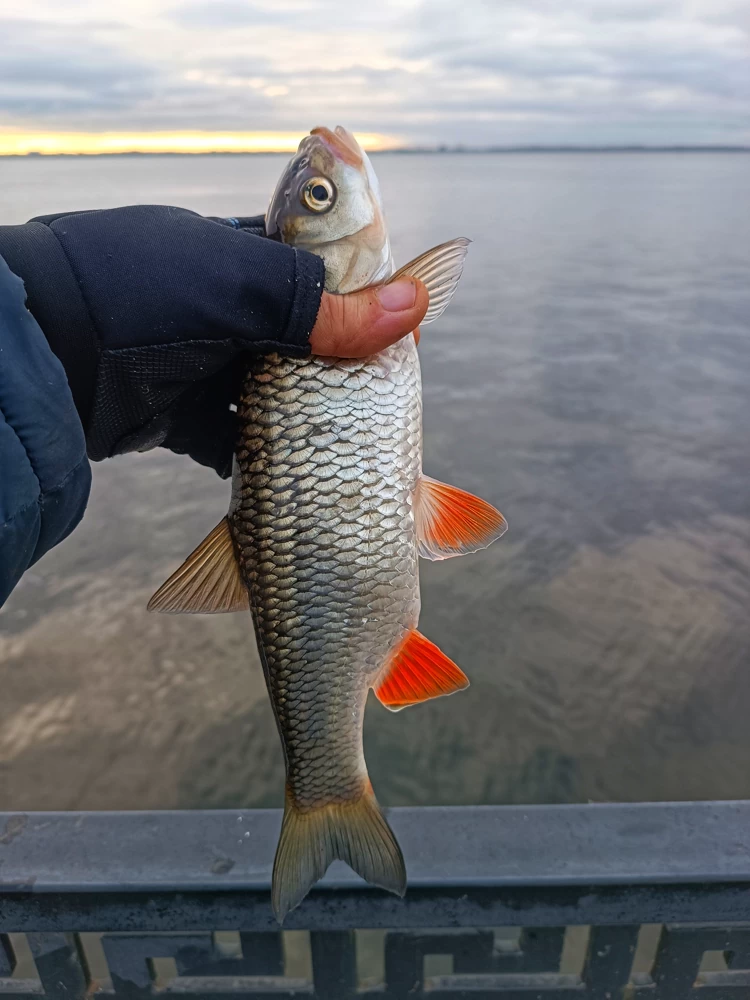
418,671
208,582
451,522
440,269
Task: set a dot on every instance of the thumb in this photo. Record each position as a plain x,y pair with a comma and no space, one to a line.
363,323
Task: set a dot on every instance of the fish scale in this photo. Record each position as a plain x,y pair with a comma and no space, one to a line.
333,594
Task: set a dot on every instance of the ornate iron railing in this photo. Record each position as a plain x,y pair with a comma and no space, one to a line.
614,902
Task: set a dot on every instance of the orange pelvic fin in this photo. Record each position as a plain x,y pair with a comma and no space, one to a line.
418,671
208,582
451,522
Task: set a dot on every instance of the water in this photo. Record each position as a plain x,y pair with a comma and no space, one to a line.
591,378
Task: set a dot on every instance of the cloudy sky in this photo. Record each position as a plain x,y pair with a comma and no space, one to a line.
422,71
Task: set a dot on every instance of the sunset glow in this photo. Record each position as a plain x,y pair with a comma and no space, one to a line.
20,143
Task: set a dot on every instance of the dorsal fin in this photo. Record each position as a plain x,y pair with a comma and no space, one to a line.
439,269
208,582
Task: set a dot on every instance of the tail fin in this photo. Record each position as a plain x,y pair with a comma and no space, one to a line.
355,832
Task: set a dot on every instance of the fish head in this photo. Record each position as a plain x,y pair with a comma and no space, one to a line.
328,202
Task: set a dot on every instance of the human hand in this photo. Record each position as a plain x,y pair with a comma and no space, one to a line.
360,323
363,323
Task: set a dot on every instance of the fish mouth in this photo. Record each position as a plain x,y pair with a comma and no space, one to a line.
341,143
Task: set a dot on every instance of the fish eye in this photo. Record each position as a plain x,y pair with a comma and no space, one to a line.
318,194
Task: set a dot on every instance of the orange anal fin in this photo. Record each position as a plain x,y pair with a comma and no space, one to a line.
418,671
451,522
208,582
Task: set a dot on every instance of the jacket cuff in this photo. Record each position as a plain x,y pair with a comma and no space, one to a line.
55,300
309,282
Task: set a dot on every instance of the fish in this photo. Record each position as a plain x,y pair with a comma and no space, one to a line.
329,515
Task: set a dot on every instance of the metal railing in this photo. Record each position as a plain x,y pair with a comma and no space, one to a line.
540,903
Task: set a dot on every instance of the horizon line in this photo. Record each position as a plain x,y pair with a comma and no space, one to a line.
436,149
16,141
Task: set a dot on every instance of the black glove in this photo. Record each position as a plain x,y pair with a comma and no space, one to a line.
154,313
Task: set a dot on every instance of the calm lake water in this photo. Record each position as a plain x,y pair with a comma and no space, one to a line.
591,378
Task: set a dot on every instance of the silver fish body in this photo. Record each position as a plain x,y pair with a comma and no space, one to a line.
324,524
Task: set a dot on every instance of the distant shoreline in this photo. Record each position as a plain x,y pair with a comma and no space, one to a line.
405,151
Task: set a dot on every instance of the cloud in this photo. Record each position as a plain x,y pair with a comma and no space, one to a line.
570,43
50,68
226,14
431,71
322,19
673,62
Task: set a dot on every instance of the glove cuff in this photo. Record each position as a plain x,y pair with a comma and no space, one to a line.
54,298
253,224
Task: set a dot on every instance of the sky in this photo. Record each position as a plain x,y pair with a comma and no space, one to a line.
215,73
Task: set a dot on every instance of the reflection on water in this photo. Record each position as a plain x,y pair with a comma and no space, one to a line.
591,378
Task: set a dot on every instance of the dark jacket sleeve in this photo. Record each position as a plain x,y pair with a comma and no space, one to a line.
44,473
144,304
